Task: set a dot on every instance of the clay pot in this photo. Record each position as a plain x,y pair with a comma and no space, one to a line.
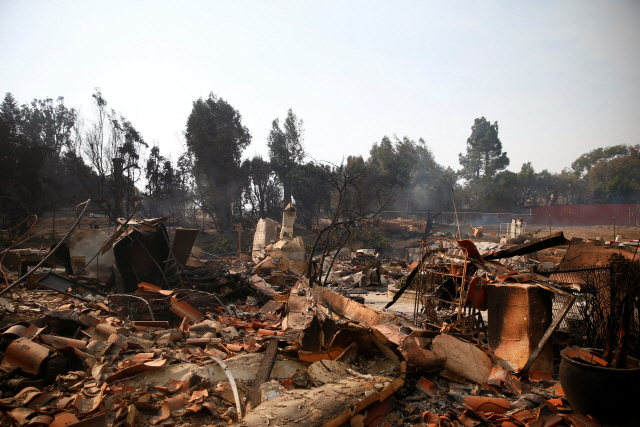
607,394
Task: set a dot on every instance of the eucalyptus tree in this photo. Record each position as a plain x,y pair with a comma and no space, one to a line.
216,138
286,152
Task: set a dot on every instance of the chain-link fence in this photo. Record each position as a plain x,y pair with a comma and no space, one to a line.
415,223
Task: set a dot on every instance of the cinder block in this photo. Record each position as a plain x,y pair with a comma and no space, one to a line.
519,315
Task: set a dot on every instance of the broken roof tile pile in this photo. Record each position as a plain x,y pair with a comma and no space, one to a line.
209,342
85,365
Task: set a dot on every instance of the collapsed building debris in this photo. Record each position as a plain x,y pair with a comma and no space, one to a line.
170,339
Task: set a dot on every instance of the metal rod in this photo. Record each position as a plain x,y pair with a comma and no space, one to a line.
232,382
462,284
456,211
136,297
554,324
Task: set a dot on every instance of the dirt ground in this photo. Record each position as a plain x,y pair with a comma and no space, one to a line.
583,232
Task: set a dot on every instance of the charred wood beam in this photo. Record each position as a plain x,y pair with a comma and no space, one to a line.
550,241
410,278
264,372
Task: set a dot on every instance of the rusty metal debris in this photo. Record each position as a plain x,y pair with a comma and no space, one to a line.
171,339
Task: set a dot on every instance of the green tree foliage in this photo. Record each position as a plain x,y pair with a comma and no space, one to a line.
484,155
262,192
617,180
528,182
493,194
49,159
129,143
371,237
52,125
34,140
397,161
604,175
286,152
20,159
160,175
311,192
216,139
167,187
571,189
409,170
583,164
508,191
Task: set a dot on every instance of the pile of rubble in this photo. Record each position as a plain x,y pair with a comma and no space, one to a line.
132,329
325,362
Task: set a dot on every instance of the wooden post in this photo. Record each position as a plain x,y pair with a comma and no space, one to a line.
239,230
118,169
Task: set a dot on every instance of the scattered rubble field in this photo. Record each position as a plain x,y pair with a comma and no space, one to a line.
131,327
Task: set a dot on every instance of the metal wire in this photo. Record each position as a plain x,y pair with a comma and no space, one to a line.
51,252
584,324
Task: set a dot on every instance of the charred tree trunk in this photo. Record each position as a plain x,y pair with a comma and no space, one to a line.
430,219
118,169
287,193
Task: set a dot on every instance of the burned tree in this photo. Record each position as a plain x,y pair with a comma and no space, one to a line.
261,191
106,160
354,198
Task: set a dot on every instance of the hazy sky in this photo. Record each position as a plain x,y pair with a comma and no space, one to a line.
560,77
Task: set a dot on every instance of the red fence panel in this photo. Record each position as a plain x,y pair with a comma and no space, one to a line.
624,214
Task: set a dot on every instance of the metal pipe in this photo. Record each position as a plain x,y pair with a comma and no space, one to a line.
456,211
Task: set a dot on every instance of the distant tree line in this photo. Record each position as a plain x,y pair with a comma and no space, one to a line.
606,175
51,157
